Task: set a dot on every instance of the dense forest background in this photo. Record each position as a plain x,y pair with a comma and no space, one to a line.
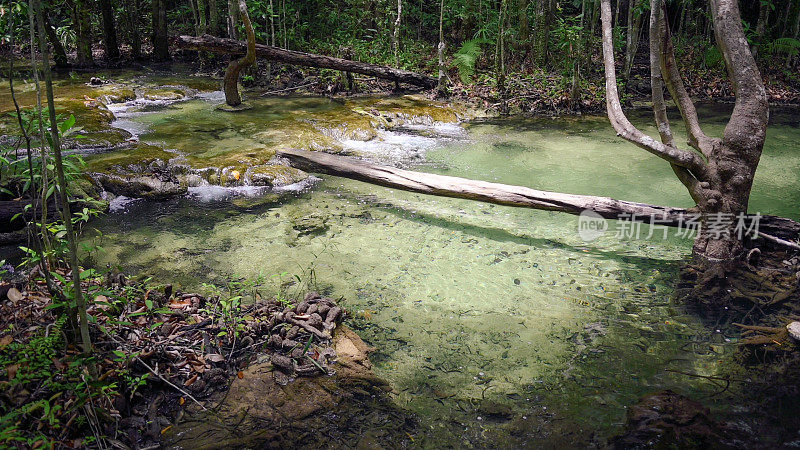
552,47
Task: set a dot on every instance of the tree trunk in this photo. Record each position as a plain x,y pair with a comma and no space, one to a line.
81,21
761,25
632,41
160,43
66,214
59,54
499,64
109,30
202,11
233,19
720,180
213,17
396,34
132,15
233,47
231,80
441,86
541,43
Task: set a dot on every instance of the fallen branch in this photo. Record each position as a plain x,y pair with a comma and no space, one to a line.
233,47
518,196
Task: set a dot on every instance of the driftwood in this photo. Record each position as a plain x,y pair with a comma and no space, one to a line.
233,47
778,230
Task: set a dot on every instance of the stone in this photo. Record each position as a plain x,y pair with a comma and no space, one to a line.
794,330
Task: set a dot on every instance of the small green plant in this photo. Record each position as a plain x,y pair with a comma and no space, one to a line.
466,58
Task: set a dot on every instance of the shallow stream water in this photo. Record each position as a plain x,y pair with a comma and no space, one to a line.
496,326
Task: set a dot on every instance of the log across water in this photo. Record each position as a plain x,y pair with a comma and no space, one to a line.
231,46
779,230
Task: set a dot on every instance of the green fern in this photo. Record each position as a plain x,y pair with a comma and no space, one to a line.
466,57
784,46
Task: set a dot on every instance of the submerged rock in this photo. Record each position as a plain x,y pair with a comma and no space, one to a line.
275,175
140,186
670,420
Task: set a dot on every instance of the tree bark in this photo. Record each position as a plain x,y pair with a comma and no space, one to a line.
109,30
231,80
160,44
233,19
441,86
720,181
233,47
396,34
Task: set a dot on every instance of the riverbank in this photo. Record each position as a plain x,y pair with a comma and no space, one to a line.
164,358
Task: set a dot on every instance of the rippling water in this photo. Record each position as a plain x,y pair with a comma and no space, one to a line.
474,308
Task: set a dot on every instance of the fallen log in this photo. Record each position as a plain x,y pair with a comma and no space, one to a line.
233,47
778,230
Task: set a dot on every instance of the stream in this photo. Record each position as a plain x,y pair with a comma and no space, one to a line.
495,326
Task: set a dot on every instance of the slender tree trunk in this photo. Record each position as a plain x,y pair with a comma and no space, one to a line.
132,19
396,34
616,11
233,19
577,54
202,12
634,28
541,43
160,44
761,25
81,21
285,26
59,54
441,87
797,22
500,66
109,30
213,17
55,144
231,80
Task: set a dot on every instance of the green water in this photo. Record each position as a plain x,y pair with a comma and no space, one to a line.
470,305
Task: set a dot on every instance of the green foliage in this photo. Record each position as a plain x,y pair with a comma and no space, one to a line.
788,47
712,58
466,58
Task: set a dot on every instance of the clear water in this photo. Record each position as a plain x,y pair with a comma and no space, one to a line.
470,305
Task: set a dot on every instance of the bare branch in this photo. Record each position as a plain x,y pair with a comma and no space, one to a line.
748,125
620,122
669,70
657,26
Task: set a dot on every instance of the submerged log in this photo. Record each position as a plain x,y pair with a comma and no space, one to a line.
778,230
233,47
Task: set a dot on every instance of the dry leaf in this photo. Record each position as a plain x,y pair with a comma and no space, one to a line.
182,401
240,375
215,357
190,381
5,340
11,371
14,295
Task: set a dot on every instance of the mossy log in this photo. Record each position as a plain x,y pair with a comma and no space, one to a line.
233,47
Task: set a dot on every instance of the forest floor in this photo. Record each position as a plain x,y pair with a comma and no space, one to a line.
160,357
